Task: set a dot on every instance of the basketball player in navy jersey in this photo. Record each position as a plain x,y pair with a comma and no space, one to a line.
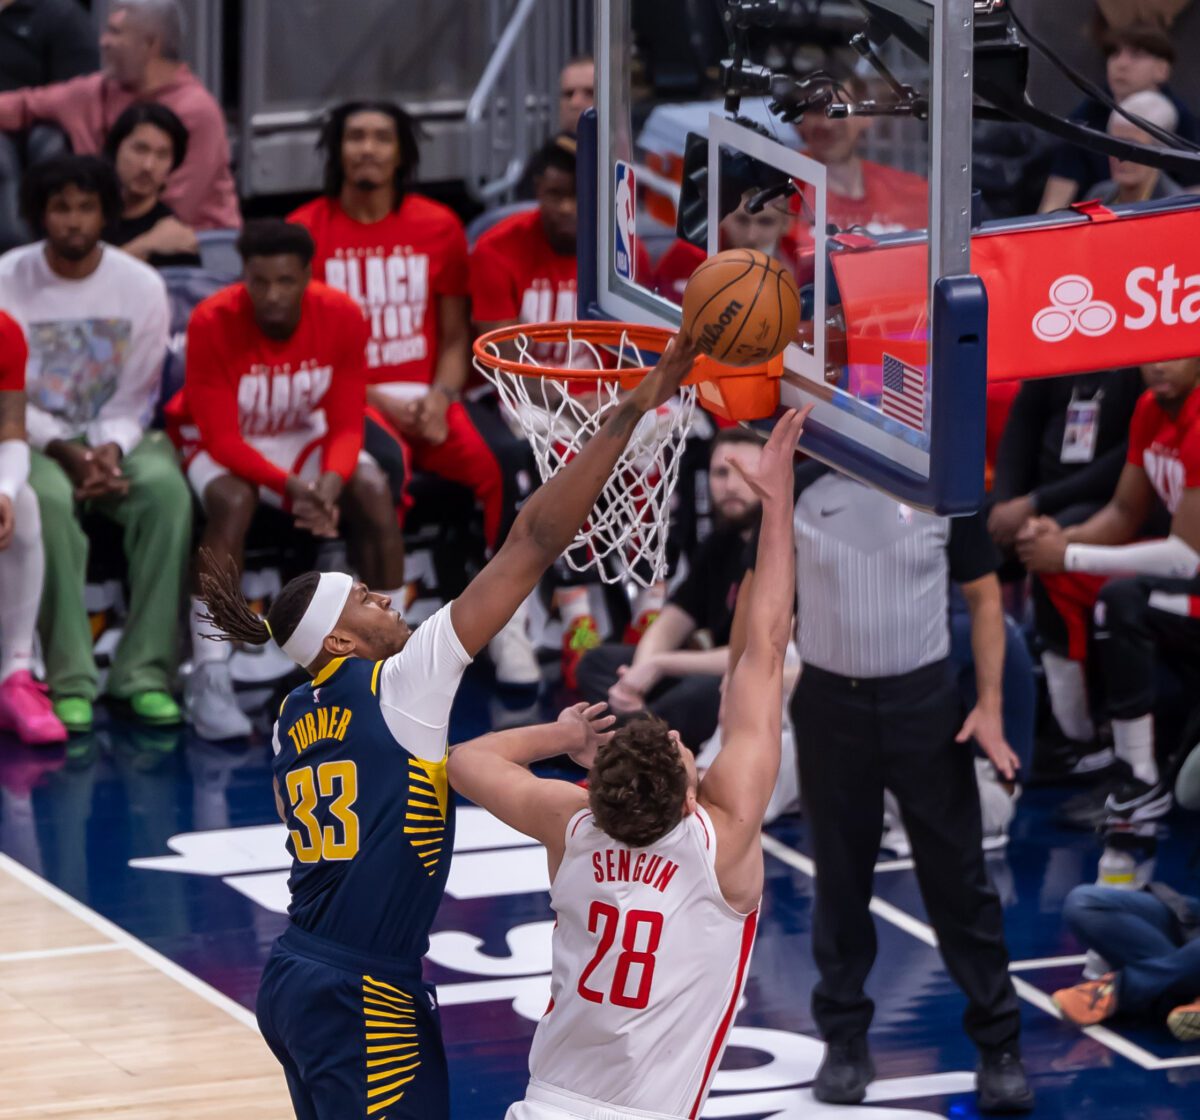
360,781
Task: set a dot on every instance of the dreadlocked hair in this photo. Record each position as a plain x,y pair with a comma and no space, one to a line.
228,611
637,783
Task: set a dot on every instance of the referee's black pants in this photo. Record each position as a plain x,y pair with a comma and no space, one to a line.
854,739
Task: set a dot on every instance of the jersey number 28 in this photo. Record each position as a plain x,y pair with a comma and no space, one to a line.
339,781
634,965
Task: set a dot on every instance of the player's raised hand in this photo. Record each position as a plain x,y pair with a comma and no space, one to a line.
589,728
663,382
774,477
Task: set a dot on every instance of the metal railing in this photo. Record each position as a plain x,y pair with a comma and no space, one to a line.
514,107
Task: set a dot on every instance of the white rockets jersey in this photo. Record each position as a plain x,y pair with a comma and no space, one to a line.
649,965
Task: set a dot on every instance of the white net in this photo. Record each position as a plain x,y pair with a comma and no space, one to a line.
625,538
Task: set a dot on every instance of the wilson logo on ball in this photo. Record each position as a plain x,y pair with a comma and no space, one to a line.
711,335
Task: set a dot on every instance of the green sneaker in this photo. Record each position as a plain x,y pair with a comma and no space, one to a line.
156,707
75,712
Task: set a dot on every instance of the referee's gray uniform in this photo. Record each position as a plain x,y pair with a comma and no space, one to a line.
877,706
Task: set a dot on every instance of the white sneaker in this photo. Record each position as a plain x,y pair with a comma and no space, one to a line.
513,655
895,840
211,704
997,805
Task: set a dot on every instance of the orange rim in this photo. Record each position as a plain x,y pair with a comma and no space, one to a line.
601,333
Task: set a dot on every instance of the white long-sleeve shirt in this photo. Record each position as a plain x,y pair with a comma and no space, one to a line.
96,346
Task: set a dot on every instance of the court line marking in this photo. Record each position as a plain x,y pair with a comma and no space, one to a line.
127,941
67,951
1035,963
924,932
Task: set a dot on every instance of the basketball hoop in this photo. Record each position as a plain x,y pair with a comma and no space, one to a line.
559,381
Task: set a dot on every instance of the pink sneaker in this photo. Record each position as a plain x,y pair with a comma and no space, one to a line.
25,709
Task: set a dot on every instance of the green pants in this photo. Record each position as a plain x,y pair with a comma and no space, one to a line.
156,522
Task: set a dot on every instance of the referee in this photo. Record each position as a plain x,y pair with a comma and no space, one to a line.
877,706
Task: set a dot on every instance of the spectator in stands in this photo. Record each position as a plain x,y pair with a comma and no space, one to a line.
1151,939
1135,182
141,46
147,143
576,91
1061,456
96,322
661,675
1151,612
41,41
403,258
861,194
276,390
1139,58
24,707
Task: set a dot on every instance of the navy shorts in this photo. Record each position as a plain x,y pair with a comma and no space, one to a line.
353,1042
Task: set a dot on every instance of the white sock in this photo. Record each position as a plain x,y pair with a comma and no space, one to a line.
1067,686
204,649
1133,740
573,604
22,568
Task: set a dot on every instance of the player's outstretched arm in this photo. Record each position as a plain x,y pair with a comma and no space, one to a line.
740,781
493,772
552,516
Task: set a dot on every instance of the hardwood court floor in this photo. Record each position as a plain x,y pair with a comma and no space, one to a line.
93,1023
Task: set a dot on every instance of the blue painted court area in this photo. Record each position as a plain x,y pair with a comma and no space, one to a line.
177,842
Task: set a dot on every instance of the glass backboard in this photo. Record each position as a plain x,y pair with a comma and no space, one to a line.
835,137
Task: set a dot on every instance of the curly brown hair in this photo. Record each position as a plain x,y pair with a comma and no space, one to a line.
638,782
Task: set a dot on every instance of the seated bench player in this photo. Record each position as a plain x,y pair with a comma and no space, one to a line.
1141,595
24,707
96,323
272,410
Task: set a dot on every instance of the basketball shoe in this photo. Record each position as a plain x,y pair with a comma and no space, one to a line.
582,635
1088,1003
1185,1021
25,708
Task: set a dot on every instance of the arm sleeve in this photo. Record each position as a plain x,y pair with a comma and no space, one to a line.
972,553
1017,456
72,44
212,400
417,687
494,295
346,402
124,416
1096,482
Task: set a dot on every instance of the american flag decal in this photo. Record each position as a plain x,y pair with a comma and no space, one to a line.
904,392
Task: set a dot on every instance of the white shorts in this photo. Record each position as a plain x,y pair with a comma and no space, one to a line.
293,452
542,1102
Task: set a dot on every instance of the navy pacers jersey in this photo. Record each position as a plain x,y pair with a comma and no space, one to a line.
370,825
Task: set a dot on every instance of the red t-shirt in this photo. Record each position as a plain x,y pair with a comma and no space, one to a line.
1167,448
241,384
515,274
14,353
892,201
394,269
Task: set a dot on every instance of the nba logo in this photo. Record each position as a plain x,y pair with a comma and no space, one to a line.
624,233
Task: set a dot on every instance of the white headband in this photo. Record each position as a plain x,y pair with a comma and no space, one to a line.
320,617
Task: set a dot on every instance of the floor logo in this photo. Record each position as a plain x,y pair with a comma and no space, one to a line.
1073,309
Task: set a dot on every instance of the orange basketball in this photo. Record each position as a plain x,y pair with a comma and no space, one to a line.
741,307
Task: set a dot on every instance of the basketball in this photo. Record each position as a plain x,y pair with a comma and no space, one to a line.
742,307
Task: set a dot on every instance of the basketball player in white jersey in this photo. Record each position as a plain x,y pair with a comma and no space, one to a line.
656,876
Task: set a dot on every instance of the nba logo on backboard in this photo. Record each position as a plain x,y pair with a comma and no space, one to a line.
624,232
